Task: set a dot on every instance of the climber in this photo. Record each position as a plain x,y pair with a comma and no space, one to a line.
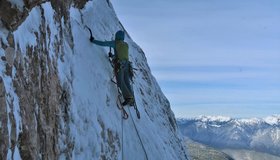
123,64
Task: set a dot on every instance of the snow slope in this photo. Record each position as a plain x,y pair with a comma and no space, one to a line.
90,124
223,132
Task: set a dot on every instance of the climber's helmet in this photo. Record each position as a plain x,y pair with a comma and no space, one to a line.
119,35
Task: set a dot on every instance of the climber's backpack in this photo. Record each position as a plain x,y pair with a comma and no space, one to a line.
121,50
121,53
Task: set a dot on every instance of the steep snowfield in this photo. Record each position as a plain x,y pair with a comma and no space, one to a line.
94,96
223,132
91,126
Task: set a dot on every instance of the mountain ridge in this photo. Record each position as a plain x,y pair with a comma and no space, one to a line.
271,120
259,134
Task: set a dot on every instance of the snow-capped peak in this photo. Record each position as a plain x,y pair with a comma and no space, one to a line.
249,120
273,120
214,118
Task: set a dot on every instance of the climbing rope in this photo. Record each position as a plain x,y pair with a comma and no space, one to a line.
142,144
122,139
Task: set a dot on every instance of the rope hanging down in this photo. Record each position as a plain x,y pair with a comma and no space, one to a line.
122,139
142,144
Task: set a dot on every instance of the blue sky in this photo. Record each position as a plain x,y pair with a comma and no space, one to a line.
217,57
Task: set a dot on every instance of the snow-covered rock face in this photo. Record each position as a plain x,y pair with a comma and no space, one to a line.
222,132
57,100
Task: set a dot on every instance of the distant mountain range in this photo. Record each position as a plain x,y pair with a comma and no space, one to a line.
198,151
262,135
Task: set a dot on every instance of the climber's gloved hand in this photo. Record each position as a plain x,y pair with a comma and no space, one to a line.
91,38
110,54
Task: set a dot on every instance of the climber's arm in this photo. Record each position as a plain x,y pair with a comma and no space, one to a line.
104,43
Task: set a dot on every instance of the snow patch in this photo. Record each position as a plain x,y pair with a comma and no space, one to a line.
12,98
16,155
215,125
250,121
25,34
3,34
273,120
213,118
49,16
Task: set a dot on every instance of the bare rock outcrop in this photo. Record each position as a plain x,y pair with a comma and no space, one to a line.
3,122
42,99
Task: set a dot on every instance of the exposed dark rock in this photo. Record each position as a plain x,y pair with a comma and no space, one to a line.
4,143
41,97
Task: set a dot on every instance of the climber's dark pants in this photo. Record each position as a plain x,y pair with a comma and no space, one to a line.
124,80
